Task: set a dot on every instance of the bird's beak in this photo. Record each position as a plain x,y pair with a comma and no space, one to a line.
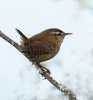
68,33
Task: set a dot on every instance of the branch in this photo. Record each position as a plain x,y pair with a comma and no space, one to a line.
59,86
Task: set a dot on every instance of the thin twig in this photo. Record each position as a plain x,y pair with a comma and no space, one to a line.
59,86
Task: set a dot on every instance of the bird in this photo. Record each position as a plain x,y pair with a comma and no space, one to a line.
42,46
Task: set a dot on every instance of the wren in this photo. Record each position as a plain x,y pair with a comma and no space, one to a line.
44,45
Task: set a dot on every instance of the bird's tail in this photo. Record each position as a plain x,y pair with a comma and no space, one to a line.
23,37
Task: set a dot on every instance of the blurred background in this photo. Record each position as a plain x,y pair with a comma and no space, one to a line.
73,66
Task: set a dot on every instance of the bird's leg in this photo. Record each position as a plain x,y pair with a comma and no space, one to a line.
45,70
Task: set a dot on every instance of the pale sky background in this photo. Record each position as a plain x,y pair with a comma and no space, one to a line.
73,66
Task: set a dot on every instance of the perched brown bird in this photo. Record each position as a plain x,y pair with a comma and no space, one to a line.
44,45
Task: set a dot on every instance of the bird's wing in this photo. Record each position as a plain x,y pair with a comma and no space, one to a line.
36,48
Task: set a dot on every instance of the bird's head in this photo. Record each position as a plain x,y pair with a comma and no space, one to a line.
57,34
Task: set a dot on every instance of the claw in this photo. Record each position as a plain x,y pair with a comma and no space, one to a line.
44,71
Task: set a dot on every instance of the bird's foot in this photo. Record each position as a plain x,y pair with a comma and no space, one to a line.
45,71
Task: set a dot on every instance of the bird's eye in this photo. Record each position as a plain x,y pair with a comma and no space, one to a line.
57,34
